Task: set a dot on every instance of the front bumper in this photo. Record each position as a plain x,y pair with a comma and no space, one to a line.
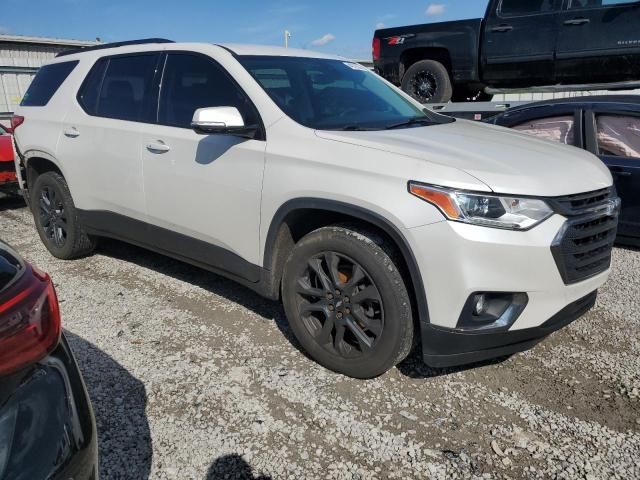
443,347
457,260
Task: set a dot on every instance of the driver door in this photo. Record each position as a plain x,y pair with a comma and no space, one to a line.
203,192
519,42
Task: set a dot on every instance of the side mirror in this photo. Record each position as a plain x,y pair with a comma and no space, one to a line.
221,120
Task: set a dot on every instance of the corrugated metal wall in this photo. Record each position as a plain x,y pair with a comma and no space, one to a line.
18,66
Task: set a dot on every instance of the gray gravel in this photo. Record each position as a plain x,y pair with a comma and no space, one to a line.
192,376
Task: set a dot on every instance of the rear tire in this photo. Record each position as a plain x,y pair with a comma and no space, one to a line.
428,81
56,218
346,301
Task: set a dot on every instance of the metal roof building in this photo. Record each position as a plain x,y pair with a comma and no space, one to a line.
20,58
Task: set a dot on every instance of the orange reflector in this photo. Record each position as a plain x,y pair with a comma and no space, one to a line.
440,199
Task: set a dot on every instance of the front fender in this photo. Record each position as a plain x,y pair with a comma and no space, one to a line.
360,213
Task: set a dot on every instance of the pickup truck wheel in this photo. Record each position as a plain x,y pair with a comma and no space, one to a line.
56,218
428,81
347,303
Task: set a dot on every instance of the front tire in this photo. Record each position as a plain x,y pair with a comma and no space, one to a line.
56,218
428,81
347,303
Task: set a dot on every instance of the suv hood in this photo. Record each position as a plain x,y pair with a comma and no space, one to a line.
505,160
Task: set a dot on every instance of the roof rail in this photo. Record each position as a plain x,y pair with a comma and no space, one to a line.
113,45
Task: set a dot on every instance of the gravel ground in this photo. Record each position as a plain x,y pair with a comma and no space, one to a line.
192,376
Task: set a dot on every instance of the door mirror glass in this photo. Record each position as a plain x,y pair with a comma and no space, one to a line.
218,120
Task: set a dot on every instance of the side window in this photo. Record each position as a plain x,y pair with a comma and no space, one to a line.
191,82
46,83
513,8
557,129
618,135
127,88
90,89
576,4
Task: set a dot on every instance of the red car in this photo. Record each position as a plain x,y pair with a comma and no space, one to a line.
7,167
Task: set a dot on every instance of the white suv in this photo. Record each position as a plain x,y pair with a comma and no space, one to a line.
312,180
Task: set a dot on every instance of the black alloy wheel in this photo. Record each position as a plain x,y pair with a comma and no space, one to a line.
424,86
428,81
340,305
53,217
346,300
56,217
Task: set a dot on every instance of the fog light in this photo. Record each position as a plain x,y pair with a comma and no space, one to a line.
492,310
479,305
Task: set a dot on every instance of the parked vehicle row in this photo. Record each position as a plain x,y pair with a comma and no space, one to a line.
518,43
7,167
310,179
608,127
47,428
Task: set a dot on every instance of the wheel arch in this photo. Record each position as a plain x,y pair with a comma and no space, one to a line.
414,55
300,216
39,162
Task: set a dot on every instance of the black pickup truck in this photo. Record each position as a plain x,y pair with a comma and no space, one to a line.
518,44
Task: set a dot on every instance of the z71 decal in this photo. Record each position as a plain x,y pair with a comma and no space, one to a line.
399,40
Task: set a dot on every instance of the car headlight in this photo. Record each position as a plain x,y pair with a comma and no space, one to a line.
496,211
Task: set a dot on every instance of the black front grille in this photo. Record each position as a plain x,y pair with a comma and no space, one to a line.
583,247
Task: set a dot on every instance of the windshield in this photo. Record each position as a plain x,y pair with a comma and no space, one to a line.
335,95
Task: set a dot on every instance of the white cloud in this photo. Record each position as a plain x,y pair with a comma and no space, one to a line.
323,40
435,9
4,30
380,25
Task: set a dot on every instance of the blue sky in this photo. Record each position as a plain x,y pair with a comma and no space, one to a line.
338,26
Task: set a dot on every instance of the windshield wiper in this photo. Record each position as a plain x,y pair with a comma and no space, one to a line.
355,128
412,121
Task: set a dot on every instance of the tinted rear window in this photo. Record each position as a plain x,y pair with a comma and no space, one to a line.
46,84
127,88
90,90
526,7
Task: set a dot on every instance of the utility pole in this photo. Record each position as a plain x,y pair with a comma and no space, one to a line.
287,36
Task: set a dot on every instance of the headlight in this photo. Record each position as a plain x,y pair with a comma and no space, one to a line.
496,211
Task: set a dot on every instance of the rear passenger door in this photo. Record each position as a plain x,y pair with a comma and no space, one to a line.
102,132
599,41
615,138
203,191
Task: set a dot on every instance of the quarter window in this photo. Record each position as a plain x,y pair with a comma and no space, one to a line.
557,129
618,135
526,7
46,83
191,82
127,88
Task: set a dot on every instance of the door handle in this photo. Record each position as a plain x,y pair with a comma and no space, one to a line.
502,28
577,21
158,147
619,172
71,132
